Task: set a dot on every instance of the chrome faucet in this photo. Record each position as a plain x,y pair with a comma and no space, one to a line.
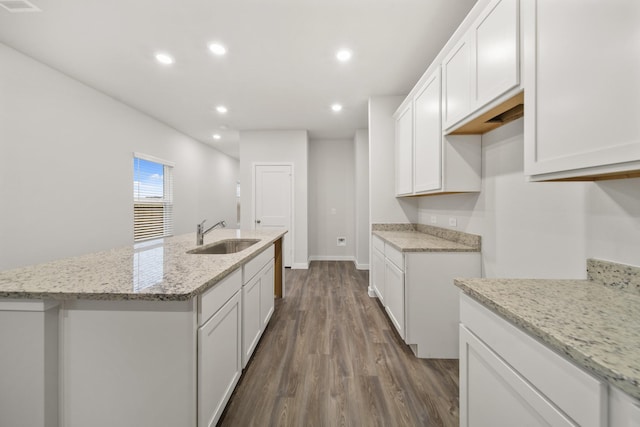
200,231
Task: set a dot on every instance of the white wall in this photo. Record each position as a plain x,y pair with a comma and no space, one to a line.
278,146
384,206
613,221
363,234
66,169
331,199
544,229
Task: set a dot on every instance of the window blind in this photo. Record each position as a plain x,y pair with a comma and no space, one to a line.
152,197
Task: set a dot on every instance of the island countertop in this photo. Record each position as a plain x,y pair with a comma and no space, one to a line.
591,322
153,270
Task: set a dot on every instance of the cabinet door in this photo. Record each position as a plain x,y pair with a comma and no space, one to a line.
457,81
219,365
267,295
427,137
496,35
493,394
377,274
394,295
251,321
404,152
582,62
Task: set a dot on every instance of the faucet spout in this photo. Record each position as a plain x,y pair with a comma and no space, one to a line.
201,232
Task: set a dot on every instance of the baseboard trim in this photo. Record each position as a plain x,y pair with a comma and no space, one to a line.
361,266
332,258
371,292
300,266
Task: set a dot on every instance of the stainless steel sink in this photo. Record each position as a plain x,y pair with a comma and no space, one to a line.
229,246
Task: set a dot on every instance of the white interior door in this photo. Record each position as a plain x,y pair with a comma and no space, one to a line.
273,202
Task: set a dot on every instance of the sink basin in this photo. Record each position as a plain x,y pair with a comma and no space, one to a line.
229,246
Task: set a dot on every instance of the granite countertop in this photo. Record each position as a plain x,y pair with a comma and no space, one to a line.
152,270
422,238
594,323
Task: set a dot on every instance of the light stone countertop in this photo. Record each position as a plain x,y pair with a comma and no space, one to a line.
592,324
154,270
416,241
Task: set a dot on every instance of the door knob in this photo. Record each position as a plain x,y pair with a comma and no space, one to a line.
258,221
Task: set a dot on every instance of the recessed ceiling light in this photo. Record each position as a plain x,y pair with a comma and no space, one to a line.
164,58
216,136
217,49
221,109
336,107
343,55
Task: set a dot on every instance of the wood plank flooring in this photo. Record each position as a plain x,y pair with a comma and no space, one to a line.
330,357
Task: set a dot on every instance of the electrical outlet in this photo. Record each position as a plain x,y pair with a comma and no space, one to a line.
434,219
453,222
342,241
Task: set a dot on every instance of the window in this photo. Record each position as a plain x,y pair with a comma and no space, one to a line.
152,197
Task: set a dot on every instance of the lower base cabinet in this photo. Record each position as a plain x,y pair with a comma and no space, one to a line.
219,361
509,378
257,301
417,292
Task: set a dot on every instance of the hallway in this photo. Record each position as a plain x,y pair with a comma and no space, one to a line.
330,357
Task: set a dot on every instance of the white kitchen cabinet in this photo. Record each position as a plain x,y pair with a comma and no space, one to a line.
394,293
404,151
251,322
484,65
257,301
581,68
267,295
426,161
509,378
457,83
495,395
497,51
219,361
431,300
377,268
427,137
417,292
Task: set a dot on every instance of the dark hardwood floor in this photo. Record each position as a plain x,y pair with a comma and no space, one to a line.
330,357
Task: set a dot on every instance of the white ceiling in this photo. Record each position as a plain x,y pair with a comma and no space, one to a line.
280,71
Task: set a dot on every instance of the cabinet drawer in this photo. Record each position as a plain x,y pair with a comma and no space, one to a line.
578,394
213,299
378,244
395,256
252,267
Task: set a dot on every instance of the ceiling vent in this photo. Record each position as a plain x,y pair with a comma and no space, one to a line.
17,6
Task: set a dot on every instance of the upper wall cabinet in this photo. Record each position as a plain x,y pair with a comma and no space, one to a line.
427,135
581,69
404,151
427,162
484,65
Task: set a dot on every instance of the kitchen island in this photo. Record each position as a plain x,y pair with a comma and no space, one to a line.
142,335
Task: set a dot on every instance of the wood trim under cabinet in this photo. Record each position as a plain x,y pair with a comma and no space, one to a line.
514,107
